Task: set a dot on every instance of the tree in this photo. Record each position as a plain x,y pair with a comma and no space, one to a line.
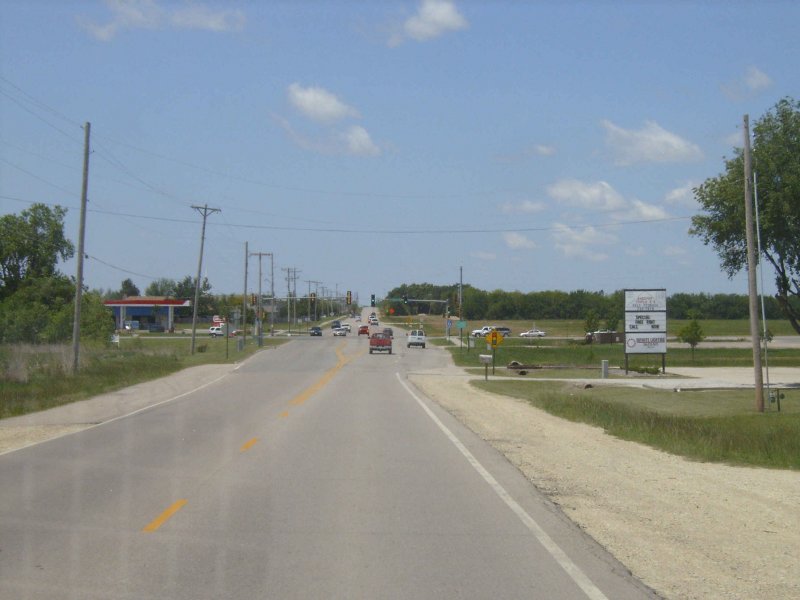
592,321
161,287
31,245
691,333
776,163
128,288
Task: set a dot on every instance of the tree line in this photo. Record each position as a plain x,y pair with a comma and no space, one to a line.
480,304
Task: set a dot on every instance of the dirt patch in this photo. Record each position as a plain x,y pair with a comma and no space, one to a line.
12,438
689,530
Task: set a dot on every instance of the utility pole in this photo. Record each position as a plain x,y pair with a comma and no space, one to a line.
316,295
244,297
272,294
205,211
751,268
260,309
76,324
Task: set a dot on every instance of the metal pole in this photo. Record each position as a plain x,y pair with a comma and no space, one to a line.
244,297
751,269
260,317
272,294
76,324
761,274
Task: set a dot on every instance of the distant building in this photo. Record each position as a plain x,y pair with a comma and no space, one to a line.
146,311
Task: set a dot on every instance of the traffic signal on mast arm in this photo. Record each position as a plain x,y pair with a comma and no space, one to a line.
349,297
372,300
405,298
313,298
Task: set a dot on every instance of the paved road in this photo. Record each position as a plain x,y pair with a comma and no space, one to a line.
313,471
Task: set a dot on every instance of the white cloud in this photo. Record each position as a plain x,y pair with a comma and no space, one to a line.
433,19
652,143
483,255
517,241
582,242
196,16
319,104
524,207
149,14
750,84
641,211
682,195
542,150
599,195
756,80
359,142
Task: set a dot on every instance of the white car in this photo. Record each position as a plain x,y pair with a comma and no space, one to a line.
215,331
340,331
533,333
347,326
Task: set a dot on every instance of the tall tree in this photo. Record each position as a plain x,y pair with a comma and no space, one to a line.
776,163
31,244
128,288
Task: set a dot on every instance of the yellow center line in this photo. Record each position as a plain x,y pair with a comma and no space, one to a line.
163,517
325,379
248,444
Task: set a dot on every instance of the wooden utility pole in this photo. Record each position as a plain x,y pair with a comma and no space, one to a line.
751,268
76,324
205,211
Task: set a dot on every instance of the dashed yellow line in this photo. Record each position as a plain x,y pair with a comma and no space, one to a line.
325,379
163,517
248,444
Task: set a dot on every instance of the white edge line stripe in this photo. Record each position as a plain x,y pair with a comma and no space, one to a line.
125,416
578,576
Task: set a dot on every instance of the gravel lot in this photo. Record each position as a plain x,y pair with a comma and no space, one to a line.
688,530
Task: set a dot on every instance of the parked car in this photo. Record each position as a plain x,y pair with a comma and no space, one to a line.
416,338
533,333
315,331
363,330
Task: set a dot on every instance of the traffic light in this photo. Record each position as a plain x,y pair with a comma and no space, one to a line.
372,300
405,298
313,298
252,299
349,297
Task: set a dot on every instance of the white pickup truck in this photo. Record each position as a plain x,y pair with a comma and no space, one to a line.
482,331
416,338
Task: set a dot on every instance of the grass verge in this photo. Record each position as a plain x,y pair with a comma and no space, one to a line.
34,378
713,426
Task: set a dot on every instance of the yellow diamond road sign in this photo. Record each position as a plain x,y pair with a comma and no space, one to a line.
494,339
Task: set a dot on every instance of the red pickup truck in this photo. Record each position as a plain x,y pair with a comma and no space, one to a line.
380,342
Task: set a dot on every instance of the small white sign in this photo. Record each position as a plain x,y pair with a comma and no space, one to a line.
646,343
643,322
645,300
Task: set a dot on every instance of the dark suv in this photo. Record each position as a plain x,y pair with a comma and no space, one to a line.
315,331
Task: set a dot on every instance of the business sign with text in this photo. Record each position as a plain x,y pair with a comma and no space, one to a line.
646,321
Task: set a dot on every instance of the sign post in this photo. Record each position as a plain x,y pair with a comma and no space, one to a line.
646,324
493,340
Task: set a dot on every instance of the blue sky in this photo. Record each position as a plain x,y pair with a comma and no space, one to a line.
538,145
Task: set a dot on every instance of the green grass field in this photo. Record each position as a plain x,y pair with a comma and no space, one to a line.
715,426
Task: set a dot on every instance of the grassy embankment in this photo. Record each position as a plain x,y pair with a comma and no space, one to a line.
710,425
35,378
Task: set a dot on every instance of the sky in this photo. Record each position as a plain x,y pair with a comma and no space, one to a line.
535,145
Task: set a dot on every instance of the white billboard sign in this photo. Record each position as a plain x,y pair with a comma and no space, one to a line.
645,300
645,321
646,343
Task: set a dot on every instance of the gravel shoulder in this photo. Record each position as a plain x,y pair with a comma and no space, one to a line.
687,529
